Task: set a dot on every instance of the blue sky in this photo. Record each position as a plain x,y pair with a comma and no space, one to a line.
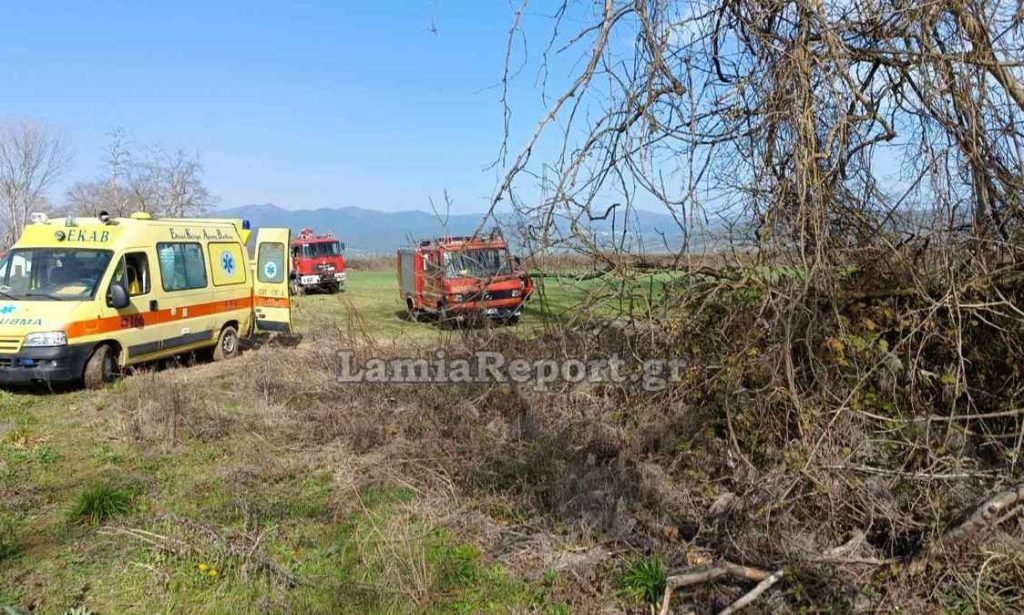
300,104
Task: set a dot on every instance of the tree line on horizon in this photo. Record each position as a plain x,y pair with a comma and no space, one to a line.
134,177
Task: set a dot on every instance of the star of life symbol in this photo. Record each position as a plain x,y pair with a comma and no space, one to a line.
7,309
227,262
270,269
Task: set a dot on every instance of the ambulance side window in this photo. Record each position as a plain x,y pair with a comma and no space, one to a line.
133,273
182,266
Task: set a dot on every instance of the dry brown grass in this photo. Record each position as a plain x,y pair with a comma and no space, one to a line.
571,263
714,467
179,410
377,262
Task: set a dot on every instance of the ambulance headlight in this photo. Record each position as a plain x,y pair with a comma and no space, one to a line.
49,338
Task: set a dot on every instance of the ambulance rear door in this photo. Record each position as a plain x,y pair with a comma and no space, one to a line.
271,304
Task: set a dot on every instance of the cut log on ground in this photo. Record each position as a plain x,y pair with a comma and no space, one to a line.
711,573
985,514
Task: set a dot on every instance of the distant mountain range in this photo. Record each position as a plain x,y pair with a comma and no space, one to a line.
362,230
369,231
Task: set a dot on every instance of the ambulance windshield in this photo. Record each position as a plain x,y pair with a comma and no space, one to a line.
52,274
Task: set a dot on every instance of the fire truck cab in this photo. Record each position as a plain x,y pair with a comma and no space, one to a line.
455,277
318,263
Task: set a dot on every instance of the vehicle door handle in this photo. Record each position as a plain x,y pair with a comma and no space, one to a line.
153,305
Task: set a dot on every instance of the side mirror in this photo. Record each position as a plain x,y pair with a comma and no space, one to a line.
117,297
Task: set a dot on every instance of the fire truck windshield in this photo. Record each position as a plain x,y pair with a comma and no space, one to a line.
320,248
477,263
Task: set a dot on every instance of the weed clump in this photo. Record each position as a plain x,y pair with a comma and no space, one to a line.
10,544
644,579
100,502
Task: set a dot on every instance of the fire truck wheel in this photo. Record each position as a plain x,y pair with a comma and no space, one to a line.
412,314
101,367
227,344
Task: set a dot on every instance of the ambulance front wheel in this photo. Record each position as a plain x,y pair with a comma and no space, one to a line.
101,368
227,344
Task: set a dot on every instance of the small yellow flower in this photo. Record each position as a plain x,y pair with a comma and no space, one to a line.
203,567
213,572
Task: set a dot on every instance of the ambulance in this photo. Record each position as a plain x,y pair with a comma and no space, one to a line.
83,298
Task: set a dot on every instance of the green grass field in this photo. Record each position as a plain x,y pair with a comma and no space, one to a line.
89,520
371,303
188,516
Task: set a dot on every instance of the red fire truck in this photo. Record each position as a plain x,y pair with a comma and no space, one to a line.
318,263
455,277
